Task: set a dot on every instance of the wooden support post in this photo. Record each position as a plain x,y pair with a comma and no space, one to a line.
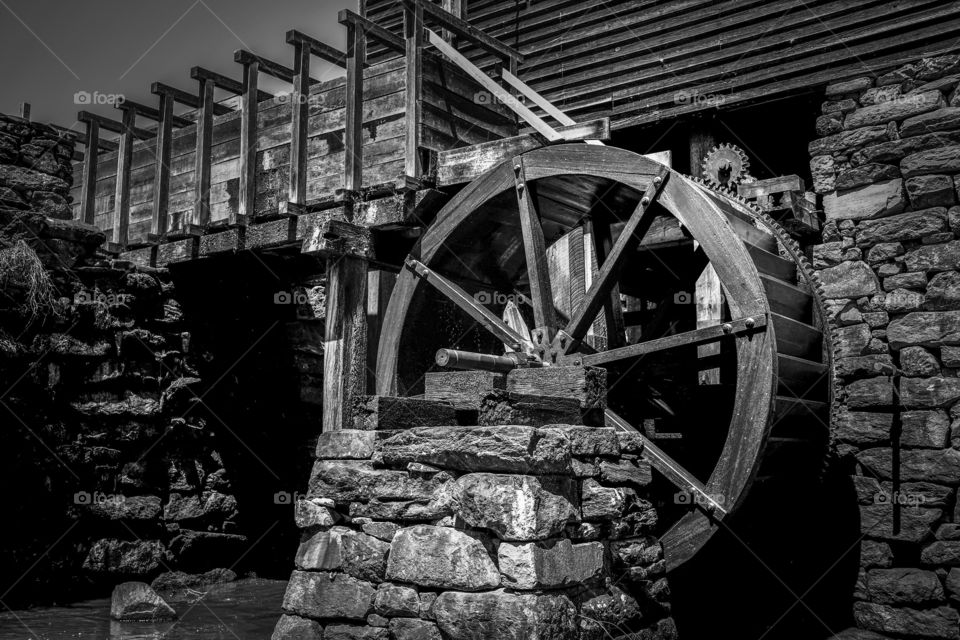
707,294
300,113
248,143
25,111
379,287
88,189
353,133
614,329
161,185
344,355
413,34
121,210
202,171
454,8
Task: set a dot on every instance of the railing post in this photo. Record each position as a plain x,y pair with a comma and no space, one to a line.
413,34
353,131
88,189
248,143
121,210
161,185
300,113
201,214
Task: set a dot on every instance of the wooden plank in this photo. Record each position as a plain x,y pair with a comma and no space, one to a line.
186,98
317,48
121,215
535,251
297,187
344,355
161,188
89,184
457,166
203,154
248,141
379,286
505,407
586,385
373,30
464,29
225,83
463,389
387,413
498,92
353,131
413,37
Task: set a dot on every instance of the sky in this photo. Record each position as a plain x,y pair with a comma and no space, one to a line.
52,49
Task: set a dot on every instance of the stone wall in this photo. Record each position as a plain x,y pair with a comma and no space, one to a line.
477,532
887,167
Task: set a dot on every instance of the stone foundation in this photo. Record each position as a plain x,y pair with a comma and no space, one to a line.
477,532
887,168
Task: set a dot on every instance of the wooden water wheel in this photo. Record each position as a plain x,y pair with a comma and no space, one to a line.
653,233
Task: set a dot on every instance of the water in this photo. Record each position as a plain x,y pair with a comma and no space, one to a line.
241,610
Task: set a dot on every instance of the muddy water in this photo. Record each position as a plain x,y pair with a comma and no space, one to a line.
242,610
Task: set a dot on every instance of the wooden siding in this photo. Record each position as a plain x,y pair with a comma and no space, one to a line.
641,61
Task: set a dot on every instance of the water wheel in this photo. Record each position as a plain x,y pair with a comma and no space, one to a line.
652,233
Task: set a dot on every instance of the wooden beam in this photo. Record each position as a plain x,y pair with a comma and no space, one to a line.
614,328
116,126
499,93
353,131
299,117
344,354
161,180
317,48
121,211
413,35
202,156
537,99
535,250
266,66
379,287
223,82
687,338
248,143
88,188
154,114
186,98
373,30
466,30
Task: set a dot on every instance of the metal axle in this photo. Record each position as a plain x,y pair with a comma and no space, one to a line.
469,360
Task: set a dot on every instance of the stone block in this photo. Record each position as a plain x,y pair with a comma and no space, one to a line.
602,503
939,120
397,601
389,412
917,361
934,257
909,280
297,628
941,553
943,292
863,427
936,160
916,525
870,393
341,549
505,616
551,564
930,191
413,629
941,466
904,586
929,393
328,595
899,109
875,554
347,444
929,429
515,507
903,227
876,200
925,328
864,174
347,481
442,558
509,408
853,279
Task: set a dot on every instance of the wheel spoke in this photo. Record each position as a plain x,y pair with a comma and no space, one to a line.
535,249
634,230
465,301
666,465
612,313
696,337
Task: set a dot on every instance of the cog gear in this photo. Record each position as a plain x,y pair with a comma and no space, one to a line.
725,166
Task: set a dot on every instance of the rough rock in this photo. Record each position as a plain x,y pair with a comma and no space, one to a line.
925,328
517,508
341,549
900,109
929,429
939,120
941,553
118,507
936,160
505,616
941,466
125,557
601,503
934,257
297,628
903,586
498,448
943,292
865,174
137,601
862,427
939,622
930,191
910,280
347,444
875,554
395,600
846,140
875,200
917,361
352,632
174,580
929,393
441,557
307,513
870,393
346,481
876,521
413,629
902,301
853,279
853,340
317,594
548,565
902,227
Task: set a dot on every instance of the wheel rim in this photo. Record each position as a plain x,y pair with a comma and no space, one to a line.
698,212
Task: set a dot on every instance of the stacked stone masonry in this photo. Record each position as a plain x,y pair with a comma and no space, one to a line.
888,169
508,532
